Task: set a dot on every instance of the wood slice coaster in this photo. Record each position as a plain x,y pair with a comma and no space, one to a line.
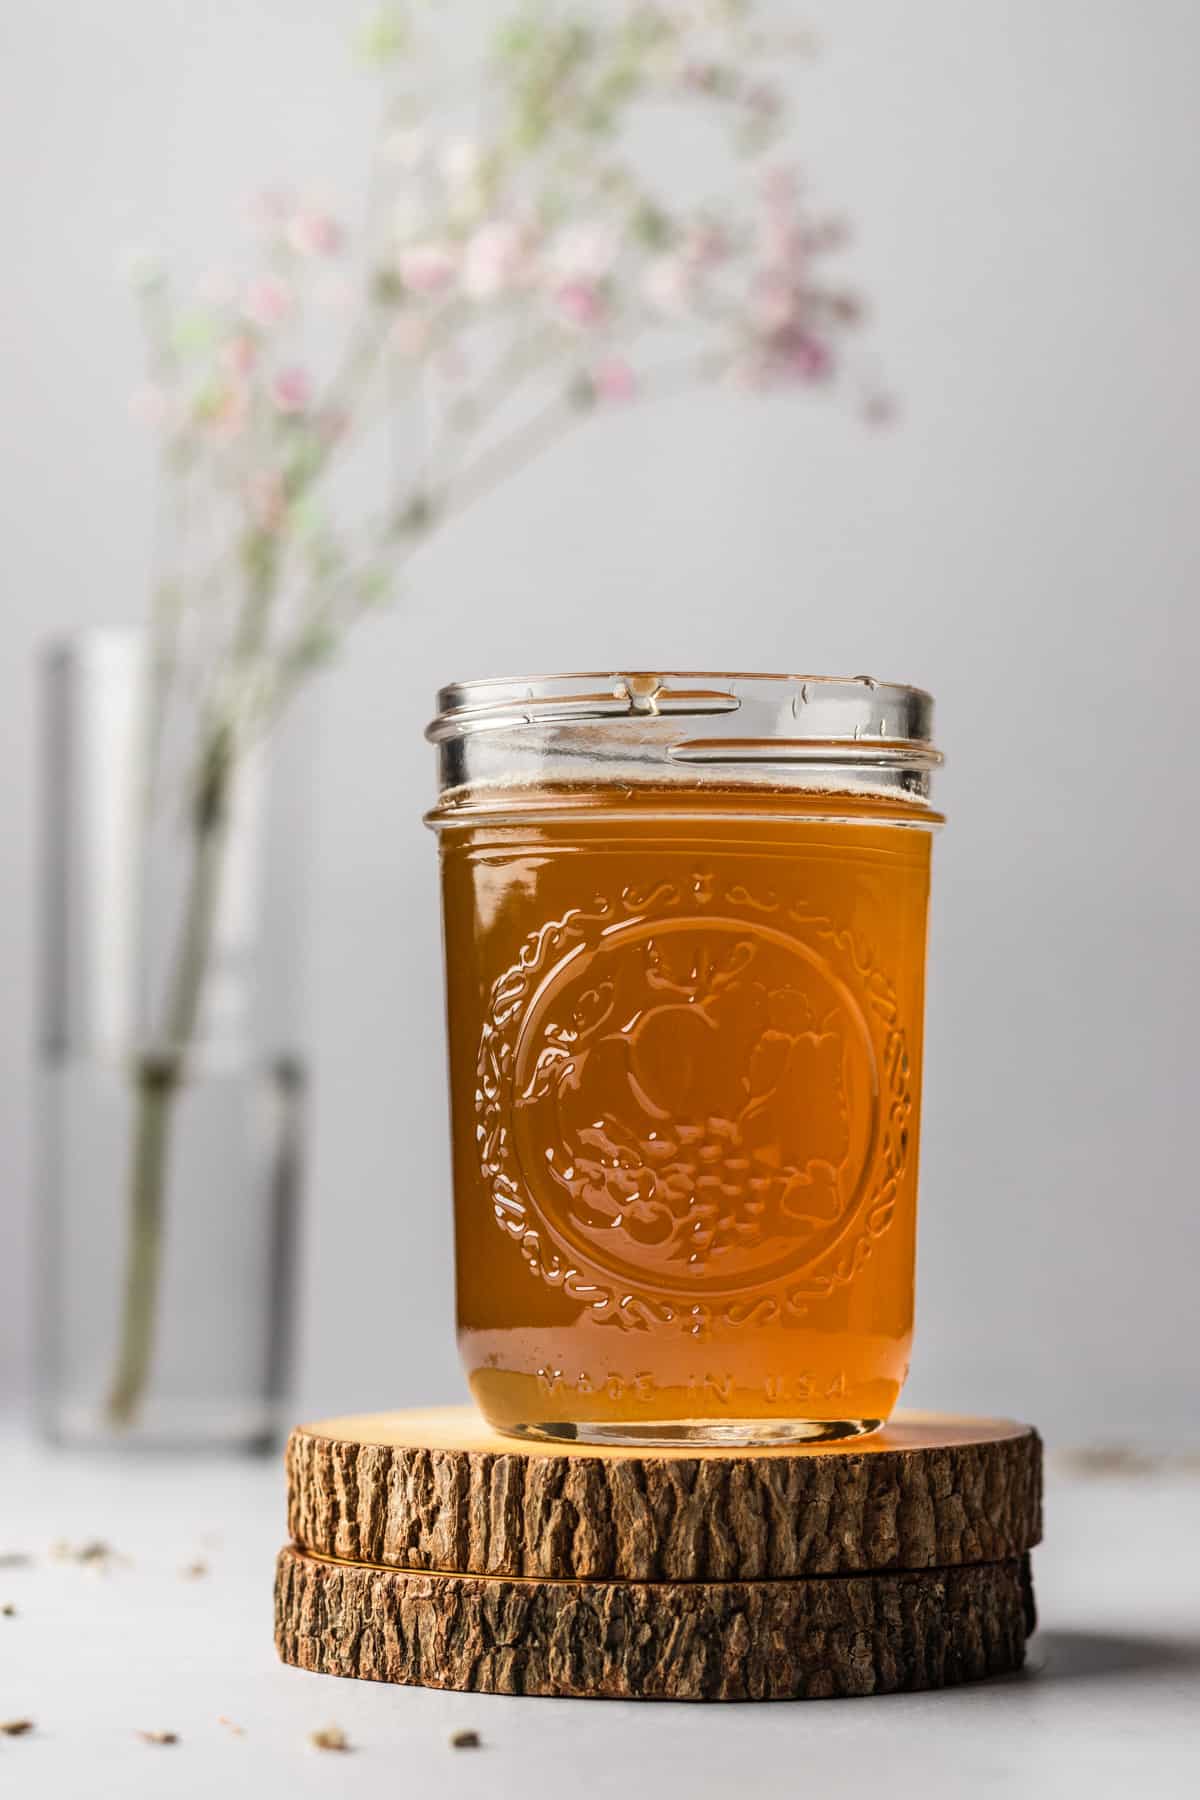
429,1550
436,1489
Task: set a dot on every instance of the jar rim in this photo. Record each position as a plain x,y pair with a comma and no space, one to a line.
552,675
784,708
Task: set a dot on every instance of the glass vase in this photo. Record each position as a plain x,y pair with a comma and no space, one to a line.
171,1090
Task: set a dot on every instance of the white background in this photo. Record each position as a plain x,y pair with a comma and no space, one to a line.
1025,181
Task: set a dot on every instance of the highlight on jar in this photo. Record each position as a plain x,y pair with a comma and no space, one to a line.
685,922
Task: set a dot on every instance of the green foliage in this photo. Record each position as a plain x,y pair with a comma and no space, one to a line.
193,332
384,36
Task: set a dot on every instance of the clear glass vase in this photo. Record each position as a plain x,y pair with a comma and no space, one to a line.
172,1093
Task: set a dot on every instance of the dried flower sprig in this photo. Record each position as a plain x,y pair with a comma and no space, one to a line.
518,281
515,281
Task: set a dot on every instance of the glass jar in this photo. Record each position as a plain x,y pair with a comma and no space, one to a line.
685,945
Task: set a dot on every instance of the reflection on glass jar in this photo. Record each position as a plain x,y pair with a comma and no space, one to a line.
685,941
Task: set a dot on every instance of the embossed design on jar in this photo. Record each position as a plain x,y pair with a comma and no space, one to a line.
694,1104
685,1114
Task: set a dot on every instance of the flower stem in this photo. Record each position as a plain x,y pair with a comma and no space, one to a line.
160,1077
153,1096
157,1082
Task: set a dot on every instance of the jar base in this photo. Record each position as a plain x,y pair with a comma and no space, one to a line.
700,1434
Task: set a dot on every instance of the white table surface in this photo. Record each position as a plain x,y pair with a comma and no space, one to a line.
1109,1704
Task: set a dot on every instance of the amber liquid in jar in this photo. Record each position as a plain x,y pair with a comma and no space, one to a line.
685,1057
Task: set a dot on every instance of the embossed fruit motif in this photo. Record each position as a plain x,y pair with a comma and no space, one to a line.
687,1095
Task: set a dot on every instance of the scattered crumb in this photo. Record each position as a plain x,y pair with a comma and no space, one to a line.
1106,1459
159,1737
331,1738
1102,1461
464,1740
8,1610
194,1570
96,1551
237,1730
1121,1460
15,1727
15,1559
93,1554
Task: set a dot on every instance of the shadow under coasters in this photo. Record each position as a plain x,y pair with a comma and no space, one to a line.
428,1550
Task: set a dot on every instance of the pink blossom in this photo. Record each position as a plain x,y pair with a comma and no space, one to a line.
267,300
614,380
291,391
240,354
409,336
313,233
793,354
581,304
426,268
668,285
805,356
496,259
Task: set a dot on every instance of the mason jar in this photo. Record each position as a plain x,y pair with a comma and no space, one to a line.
685,922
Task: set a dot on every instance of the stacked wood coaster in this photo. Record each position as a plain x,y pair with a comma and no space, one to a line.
428,1550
